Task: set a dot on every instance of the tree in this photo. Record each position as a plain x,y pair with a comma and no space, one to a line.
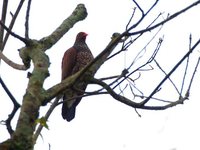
121,87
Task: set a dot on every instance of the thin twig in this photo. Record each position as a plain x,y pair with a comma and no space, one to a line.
139,68
132,41
12,22
133,13
148,61
15,108
143,16
116,96
192,78
172,104
129,43
184,76
170,73
187,63
109,78
144,48
153,98
26,41
122,90
47,115
133,104
131,81
162,22
169,77
27,20
139,7
138,113
3,19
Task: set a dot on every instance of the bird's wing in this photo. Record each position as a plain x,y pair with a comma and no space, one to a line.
68,62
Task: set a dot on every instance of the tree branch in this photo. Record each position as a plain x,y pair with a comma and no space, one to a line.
26,41
168,78
12,22
60,87
3,19
192,78
80,13
143,14
133,104
35,93
47,115
11,63
27,20
162,22
15,108
113,94
173,69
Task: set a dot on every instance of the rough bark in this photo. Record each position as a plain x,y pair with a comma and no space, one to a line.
22,138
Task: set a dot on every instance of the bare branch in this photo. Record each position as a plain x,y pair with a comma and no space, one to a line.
139,7
12,22
109,78
47,115
169,77
132,103
113,94
3,19
15,108
162,22
27,20
192,78
172,104
133,13
125,46
143,65
26,41
173,69
184,76
11,63
143,15
78,14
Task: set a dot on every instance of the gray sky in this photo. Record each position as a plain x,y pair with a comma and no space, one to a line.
101,122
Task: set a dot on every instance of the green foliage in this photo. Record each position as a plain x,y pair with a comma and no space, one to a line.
42,121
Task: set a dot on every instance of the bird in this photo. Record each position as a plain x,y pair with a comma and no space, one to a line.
74,59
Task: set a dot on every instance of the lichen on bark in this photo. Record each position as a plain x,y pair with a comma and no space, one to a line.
22,138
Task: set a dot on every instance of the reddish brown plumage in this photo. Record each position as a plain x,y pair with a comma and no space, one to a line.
74,59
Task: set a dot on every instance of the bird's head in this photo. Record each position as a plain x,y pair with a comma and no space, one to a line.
81,36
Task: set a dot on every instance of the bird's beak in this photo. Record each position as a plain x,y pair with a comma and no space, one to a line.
86,34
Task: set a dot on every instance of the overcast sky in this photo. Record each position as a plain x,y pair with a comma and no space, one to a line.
102,122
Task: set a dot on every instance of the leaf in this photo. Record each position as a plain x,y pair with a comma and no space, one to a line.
42,121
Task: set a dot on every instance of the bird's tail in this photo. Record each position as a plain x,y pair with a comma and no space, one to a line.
68,112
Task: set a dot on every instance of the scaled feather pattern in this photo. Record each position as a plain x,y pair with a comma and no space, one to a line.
74,59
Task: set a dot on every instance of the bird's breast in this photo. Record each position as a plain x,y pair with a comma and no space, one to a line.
82,59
